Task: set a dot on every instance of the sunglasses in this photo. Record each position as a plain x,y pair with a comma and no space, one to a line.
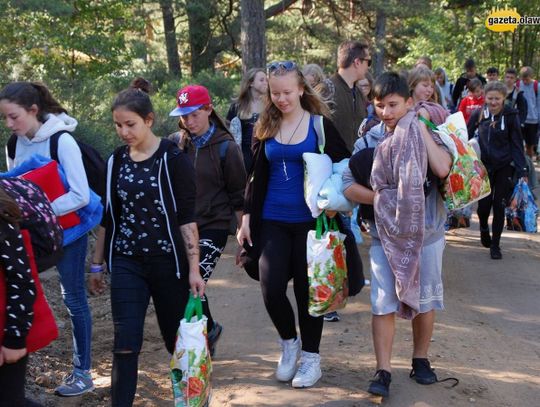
366,59
281,65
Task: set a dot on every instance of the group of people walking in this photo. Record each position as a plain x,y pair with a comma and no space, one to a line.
171,202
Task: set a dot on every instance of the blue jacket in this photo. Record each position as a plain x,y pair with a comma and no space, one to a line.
90,214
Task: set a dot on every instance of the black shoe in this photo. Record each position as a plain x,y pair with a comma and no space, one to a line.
332,317
422,371
213,337
380,384
495,252
485,237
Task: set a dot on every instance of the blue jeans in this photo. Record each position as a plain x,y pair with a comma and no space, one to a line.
133,281
73,284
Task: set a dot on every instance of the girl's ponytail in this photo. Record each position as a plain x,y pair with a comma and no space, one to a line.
48,103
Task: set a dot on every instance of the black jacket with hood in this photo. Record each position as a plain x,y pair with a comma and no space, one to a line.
220,180
500,139
177,191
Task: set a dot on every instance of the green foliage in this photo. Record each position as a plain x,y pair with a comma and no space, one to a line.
88,50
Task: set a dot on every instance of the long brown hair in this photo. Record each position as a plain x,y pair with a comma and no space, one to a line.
9,210
26,94
268,124
245,98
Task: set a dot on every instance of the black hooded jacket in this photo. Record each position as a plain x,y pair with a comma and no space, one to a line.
177,189
500,139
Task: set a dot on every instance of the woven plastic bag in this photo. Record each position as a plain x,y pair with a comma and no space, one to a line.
327,270
191,366
468,179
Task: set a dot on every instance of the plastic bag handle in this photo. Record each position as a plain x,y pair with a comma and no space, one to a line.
322,223
193,307
428,123
333,224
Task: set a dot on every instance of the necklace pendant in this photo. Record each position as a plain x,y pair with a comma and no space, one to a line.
285,170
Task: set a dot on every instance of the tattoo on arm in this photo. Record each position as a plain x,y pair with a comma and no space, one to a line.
190,235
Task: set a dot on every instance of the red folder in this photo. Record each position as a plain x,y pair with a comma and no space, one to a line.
48,179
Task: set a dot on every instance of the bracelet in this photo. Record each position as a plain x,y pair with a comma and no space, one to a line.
96,268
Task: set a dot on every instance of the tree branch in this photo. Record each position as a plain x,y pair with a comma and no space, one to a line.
278,8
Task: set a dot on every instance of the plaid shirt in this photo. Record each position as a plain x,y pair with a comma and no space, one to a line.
200,141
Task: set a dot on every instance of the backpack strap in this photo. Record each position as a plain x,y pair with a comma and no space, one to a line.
319,130
53,144
514,97
12,146
223,146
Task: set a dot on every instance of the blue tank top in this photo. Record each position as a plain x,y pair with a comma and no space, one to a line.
284,200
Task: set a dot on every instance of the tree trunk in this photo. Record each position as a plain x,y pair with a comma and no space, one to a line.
173,60
253,38
199,14
380,33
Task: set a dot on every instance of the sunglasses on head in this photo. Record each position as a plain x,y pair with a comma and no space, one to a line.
281,65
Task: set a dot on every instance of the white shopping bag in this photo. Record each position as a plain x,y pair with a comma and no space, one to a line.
327,270
191,366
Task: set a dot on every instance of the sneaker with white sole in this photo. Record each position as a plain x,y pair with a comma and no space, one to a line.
75,384
290,353
332,317
309,371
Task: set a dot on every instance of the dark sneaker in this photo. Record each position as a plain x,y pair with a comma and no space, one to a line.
485,237
495,252
422,371
75,384
213,337
332,317
380,384
424,374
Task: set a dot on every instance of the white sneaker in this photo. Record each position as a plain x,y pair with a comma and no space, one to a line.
309,371
290,353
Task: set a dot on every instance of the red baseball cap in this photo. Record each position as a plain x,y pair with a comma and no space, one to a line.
189,99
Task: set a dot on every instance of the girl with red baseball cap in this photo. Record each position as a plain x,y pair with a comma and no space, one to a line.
220,179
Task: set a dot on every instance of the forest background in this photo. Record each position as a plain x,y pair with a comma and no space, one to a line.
87,51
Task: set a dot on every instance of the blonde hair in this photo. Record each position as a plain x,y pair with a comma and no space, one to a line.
245,98
421,74
315,71
268,124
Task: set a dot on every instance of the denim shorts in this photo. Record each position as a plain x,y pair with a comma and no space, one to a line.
383,292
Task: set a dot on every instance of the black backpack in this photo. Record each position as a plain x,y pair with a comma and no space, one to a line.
94,165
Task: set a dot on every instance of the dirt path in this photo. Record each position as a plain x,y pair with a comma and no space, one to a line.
488,337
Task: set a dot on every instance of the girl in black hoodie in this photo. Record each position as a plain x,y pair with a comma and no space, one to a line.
501,146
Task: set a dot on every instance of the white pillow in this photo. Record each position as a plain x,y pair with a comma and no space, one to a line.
317,169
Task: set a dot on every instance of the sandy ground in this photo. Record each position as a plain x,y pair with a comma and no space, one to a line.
488,337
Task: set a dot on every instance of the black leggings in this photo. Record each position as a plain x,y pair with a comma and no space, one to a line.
501,190
211,244
283,257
